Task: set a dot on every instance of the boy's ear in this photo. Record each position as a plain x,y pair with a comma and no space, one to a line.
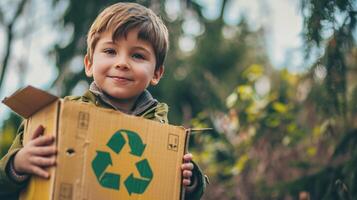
157,75
88,66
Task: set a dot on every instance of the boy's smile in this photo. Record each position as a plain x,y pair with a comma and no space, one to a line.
123,68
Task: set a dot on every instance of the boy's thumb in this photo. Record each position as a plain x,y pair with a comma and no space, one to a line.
38,132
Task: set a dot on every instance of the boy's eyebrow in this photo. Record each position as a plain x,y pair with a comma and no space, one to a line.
109,42
141,48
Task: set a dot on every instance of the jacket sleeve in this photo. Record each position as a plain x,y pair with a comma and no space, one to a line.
157,113
8,186
199,183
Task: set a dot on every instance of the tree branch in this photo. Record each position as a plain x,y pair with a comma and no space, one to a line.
9,38
221,13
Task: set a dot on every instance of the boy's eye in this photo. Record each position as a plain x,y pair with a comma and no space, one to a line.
109,51
138,56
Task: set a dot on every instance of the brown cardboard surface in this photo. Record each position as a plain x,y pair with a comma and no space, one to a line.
104,154
39,188
84,140
28,101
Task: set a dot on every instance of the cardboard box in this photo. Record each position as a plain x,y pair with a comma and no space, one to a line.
102,153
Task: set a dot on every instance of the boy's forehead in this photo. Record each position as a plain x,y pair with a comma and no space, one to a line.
109,37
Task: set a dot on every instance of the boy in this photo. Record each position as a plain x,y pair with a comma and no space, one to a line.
127,45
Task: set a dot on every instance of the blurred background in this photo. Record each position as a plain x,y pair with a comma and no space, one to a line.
276,80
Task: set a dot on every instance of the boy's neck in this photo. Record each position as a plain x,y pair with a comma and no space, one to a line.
124,105
134,107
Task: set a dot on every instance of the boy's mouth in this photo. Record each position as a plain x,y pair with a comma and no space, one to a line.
120,78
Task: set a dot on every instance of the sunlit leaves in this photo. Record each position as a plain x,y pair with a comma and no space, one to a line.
253,72
231,100
6,137
245,92
240,164
8,132
311,151
280,107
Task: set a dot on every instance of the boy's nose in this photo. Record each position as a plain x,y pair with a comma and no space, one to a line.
122,63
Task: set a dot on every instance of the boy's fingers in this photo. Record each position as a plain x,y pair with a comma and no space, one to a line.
44,151
40,172
39,131
43,141
43,161
187,157
186,182
187,166
187,173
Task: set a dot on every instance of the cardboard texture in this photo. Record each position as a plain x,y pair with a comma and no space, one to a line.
102,153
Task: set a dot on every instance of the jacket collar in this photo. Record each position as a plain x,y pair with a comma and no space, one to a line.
143,103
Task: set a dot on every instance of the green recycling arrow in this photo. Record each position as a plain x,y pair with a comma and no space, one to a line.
136,144
103,160
116,142
99,164
144,169
110,180
136,185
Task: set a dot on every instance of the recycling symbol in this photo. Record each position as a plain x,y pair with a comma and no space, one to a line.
102,160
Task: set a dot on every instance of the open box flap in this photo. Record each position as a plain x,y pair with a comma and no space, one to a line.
28,101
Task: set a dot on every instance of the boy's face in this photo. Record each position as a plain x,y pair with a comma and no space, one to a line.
123,68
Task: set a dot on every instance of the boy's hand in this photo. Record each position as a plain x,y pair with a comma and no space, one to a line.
38,154
187,168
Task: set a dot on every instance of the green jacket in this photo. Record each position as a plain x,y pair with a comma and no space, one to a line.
9,188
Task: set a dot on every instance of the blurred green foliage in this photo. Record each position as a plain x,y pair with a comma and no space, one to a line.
277,134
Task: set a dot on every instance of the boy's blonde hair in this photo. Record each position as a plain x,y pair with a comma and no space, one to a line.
119,18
